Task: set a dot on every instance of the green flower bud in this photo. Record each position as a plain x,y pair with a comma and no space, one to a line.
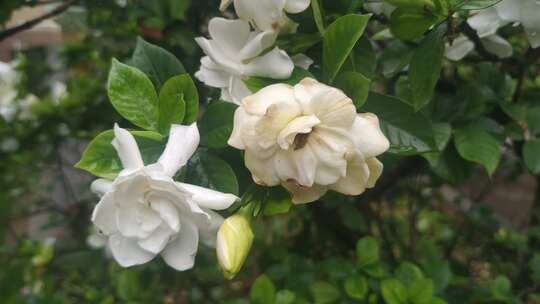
234,241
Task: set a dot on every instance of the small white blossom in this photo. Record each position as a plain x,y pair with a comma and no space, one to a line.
144,212
309,139
234,53
11,106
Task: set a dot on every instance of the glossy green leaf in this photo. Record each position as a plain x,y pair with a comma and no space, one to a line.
475,144
208,170
156,62
367,251
171,107
318,16
324,293
408,273
216,124
184,85
393,292
254,84
285,296
278,201
531,155
410,24
128,286
355,85
356,287
420,291
425,68
409,132
133,95
339,39
263,291
100,157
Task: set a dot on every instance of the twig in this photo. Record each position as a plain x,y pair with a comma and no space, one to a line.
31,23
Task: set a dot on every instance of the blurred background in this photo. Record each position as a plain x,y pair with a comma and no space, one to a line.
468,236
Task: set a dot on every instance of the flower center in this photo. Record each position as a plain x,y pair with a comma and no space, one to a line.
300,141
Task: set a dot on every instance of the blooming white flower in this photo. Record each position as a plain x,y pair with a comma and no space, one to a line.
234,54
266,15
144,212
309,139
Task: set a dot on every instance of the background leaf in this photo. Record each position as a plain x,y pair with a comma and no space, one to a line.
216,124
171,107
475,144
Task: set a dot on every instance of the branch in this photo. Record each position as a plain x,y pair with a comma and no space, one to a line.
471,33
31,23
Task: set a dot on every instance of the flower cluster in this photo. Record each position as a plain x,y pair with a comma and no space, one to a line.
245,47
309,139
11,105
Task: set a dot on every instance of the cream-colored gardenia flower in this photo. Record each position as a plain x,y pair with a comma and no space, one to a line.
235,53
266,15
308,138
144,212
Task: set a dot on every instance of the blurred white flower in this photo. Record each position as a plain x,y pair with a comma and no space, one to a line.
234,53
380,8
266,15
309,139
486,22
11,106
144,212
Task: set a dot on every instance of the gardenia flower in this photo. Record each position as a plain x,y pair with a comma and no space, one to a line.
266,15
234,54
309,139
12,107
144,212
486,22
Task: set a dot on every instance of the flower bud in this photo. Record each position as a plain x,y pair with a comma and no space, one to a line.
233,244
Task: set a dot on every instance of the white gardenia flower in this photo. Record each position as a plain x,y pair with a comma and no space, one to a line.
266,15
234,54
12,107
526,12
309,139
144,212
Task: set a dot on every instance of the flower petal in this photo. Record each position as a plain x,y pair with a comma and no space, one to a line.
256,44
530,18
127,148
300,125
137,221
460,47
262,169
333,108
274,64
497,45
101,186
486,22
297,166
296,6
168,213
368,136
237,90
301,60
509,10
262,13
208,198
356,181
180,253
183,141
212,74
240,122
229,35
208,231
304,195
104,215
375,171
258,103
224,4
127,252
157,240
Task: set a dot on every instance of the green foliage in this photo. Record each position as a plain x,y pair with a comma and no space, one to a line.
475,144
263,291
216,124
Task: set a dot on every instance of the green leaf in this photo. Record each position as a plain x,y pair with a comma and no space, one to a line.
298,42
210,171
355,85
534,266
339,39
475,144
324,293
420,4
408,273
216,124
393,292
133,95
254,84
531,155
128,286
367,251
318,16
408,132
356,287
183,84
263,291
285,296
101,159
476,4
171,107
158,63
278,201
425,68
410,23
420,291
362,59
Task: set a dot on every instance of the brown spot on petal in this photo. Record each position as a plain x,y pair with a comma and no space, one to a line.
300,141
275,25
